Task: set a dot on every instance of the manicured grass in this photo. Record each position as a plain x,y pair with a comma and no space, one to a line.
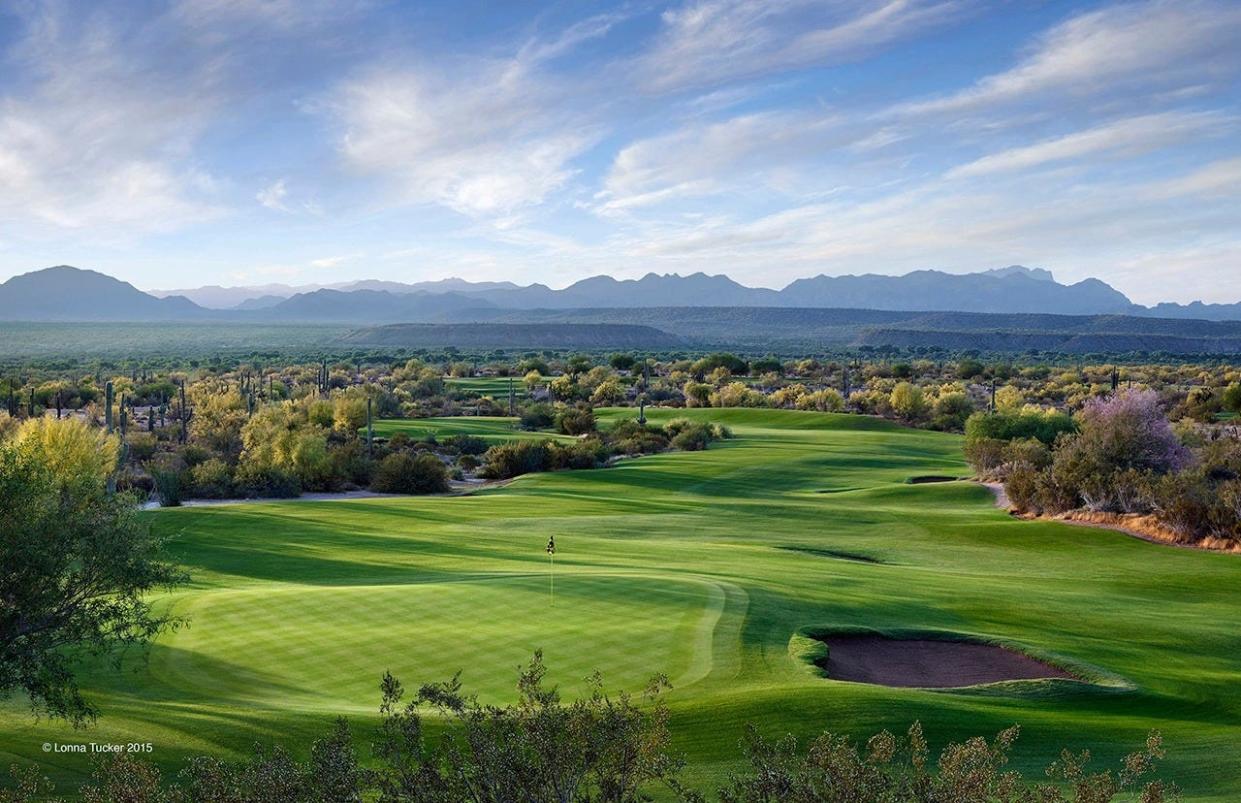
700,565
494,386
493,429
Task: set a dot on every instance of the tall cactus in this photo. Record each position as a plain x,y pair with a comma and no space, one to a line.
370,428
184,422
107,406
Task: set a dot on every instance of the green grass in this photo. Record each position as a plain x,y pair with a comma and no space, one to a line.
493,429
704,566
494,386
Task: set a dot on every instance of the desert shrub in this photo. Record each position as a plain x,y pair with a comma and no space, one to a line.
141,445
1027,452
908,401
834,769
951,410
1023,485
575,420
968,369
737,394
193,454
254,480
608,392
506,460
465,444
168,473
1232,397
468,462
629,437
537,416
527,457
211,479
1123,438
582,455
827,400
730,362
351,463
403,473
692,439
1046,426
985,455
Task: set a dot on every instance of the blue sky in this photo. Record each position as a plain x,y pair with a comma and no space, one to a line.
315,141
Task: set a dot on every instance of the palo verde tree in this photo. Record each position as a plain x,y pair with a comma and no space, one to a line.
75,564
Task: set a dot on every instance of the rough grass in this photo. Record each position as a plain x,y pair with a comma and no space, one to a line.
702,565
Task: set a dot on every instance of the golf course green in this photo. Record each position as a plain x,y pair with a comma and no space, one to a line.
493,429
711,567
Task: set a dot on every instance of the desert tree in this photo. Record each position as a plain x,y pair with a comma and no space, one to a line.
76,564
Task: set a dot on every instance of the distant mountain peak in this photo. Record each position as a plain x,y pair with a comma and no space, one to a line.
1021,270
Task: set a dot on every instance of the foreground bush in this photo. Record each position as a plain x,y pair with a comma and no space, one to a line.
599,749
836,770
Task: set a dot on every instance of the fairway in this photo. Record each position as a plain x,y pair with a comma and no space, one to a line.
492,429
705,566
497,387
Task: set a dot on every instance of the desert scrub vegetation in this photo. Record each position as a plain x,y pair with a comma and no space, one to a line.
1119,455
194,429
599,748
595,449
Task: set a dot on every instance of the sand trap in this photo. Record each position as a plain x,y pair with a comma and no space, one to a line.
927,663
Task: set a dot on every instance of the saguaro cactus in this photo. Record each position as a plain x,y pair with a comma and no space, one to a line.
107,406
370,428
184,421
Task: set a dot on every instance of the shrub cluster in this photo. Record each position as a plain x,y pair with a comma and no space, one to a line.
515,458
1120,456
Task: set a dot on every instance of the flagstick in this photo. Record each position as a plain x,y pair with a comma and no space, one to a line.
551,556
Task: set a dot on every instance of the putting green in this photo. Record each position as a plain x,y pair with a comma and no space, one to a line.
703,566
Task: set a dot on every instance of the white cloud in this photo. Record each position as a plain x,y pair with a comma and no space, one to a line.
703,158
484,138
710,42
99,141
272,196
1142,45
1131,136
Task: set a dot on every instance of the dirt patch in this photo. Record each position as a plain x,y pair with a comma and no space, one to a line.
925,478
1147,528
928,663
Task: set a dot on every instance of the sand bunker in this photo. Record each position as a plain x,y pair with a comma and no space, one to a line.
927,663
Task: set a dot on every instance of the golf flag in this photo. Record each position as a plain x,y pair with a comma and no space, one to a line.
551,564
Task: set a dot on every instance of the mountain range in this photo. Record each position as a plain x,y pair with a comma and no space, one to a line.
65,293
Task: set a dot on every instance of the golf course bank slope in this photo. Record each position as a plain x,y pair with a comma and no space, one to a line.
700,565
